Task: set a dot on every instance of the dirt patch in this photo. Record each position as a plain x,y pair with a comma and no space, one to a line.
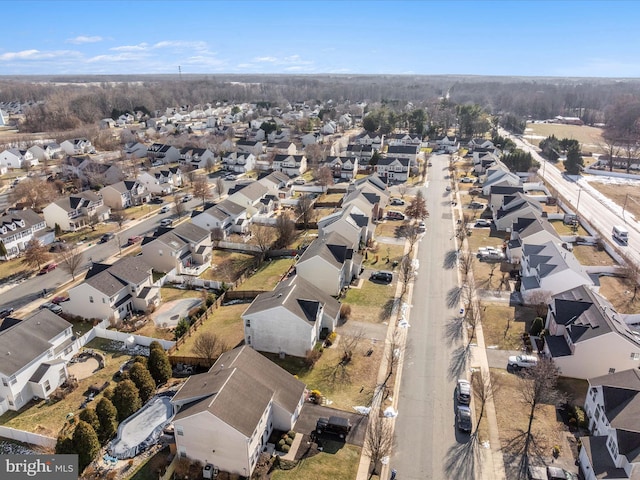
84,367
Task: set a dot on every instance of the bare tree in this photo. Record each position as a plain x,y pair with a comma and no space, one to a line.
119,216
483,389
220,187
34,191
71,260
611,148
209,346
465,263
407,273
93,220
263,236
417,209
378,441
304,209
315,154
286,230
539,300
179,206
217,235
209,165
394,353
631,271
538,385
35,254
402,189
324,175
201,188
349,344
412,233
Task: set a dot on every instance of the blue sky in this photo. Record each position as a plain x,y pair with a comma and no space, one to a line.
509,37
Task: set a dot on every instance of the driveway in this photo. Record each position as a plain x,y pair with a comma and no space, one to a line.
310,413
169,314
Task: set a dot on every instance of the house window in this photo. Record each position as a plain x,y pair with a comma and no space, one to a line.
612,370
4,382
47,386
247,323
179,430
10,403
104,300
248,339
90,299
635,356
594,392
598,412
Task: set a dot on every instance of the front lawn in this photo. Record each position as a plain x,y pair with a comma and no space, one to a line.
372,302
13,267
503,325
341,465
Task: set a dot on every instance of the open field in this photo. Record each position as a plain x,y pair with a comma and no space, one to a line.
589,137
224,322
618,192
46,419
328,465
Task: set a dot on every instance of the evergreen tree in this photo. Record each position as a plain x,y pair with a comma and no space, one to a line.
85,444
126,399
89,415
139,374
574,161
158,363
108,419
64,445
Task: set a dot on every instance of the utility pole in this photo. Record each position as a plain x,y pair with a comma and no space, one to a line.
180,72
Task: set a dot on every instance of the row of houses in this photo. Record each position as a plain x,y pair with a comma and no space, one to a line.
587,338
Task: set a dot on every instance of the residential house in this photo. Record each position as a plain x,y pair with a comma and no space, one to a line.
548,268
613,450
77,146
34,354
284,148
239,162
15,158
372,191
278,184
393,169
197,157
407,152
498,193
448,144
225,217
114,291
330,262
225,416
161,181
292,165
351,222
289,319
373,139
514,207
329,128
533,230
345,121
404,139
311,138
135,150
107,123
250,197
279,136
183,250
76,211
90,172
362,152
253,147
480,145
482,161
125,194
18,227
588,337
163,153
255,134
343,167
499,176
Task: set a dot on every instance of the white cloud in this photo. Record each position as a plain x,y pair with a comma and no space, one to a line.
266,59
292,60
201,46
117,57
131,48
37,55
81,39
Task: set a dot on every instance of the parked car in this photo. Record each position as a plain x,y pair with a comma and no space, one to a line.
395,215
463,392
186,198
477,206
339,426
475,191
299,181
466,180
133,240
397,201
518,362
156,201
51,306
164,209
557,473
483,223
230,176
166,222
5,312
59,299
422,227
48,268
382,276
59,246
106,237
463,418
448,188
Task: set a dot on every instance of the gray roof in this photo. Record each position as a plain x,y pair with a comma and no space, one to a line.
238,388
253,191
603,467
29,339
43,368
110,279
191,233
299,296
29,217
332,247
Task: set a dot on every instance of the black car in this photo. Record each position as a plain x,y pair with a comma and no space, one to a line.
463,418
156,201
106,237
339,426
382,276
5,312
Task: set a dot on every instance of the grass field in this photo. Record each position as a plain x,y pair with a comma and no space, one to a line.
590,255
589,137
371,302
268,275
563,229
341,465
622,194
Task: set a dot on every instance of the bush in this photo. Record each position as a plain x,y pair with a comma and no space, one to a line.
330,339
580,416
289,441
286,448
281,443
312,357
345,311
291,433
210,300
537,326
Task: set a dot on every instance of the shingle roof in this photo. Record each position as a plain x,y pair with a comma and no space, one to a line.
110,279
27,340
237,389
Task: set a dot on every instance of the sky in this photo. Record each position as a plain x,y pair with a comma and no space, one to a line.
578,38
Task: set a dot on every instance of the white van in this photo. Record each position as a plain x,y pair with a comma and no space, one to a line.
621,234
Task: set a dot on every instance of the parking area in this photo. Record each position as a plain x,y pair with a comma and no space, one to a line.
306,423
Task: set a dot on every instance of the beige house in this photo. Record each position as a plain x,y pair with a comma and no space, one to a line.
114,291
224,417
183,250
76,211
125,194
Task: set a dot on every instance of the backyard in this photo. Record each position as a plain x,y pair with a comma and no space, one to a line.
49,418
268,275
228,266
504,325
621,293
